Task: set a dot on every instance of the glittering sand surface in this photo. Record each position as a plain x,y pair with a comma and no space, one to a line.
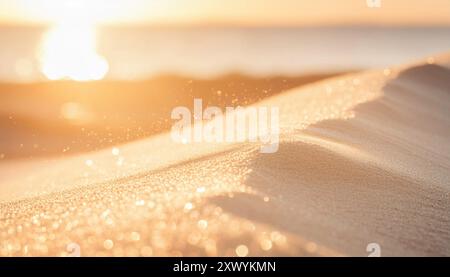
363,158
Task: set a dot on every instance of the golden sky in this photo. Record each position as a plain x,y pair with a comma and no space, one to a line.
247,12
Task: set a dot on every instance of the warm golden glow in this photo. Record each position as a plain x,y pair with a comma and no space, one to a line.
69,52
249,12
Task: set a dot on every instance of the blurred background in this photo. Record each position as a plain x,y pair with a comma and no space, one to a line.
80,75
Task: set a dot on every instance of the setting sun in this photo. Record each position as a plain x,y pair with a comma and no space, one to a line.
68,51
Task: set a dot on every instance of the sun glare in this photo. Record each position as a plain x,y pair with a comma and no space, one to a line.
69,51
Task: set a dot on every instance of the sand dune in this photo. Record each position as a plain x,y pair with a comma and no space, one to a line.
363,159
88,116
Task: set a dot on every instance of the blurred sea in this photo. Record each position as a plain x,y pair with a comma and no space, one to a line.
141,52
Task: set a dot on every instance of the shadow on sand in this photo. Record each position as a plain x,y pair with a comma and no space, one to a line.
345,204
